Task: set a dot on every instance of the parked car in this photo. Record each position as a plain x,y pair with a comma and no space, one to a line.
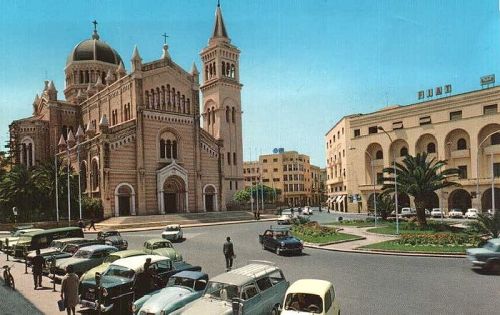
455,213
306,210
490,212
427,213
486,257
172,232
7,244
437,213
110,259
182,288
287,216
471,213
63,248
119,281
113,238
158,246
311,296
42,239
255,289
280,240
84,259
408,212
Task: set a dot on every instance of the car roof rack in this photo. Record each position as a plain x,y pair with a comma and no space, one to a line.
263,262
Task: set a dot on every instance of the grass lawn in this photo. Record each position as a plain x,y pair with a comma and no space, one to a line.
354,223
394,246
334,237
390,229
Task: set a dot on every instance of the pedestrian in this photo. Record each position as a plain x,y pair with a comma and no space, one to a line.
228,251
38,264
69,290
81,224
144,282
92,224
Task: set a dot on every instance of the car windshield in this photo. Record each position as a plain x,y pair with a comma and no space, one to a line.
119,271
221,291
185,282
24,239
162,245
57,244
282,234
172,228
304,302
83,254
70,248
491,246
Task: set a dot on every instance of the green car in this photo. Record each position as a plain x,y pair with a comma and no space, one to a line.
90,275
159,246
8,243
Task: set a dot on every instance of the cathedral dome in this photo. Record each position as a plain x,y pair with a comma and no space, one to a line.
94,49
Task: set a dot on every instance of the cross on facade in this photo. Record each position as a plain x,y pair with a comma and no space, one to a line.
95,25
165,38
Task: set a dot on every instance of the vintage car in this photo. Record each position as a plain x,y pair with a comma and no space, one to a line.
119,281
437,213
311,296
110,259
113,238
84,259
455,213
306,210
472,213
172,232
255,289
7,244
280,240
158,246
182,288
486,257
62,248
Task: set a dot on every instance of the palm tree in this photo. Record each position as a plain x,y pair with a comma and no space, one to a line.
419,177
384,205
488,224
17,189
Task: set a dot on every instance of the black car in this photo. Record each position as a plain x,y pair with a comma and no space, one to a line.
119,282
113,238
280,240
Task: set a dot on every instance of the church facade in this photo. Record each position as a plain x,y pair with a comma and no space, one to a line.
137,139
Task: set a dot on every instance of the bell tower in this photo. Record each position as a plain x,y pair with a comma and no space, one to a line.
221,111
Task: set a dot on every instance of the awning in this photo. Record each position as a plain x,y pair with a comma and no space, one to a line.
340,199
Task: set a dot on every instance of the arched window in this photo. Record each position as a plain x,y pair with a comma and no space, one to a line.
206,72
103,77
168,149
147,99
162,149
168,96
495,138
188,105
403,152
95,175
223,68
174,150
431,147
233,71
81,77
208,116
178,101
168,146
213,115
83,176
227,113
173,98
379,155
461,144
183,104
234,158
87,76
215,69
232,115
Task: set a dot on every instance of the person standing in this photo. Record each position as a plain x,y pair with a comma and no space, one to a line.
69,290
228,251
81,224
38,264
144,282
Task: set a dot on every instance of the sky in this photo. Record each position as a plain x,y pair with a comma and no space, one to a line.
304,64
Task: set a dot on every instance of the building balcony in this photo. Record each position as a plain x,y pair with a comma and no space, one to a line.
492,149
458,154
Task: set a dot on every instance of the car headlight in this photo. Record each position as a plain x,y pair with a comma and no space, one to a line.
282,244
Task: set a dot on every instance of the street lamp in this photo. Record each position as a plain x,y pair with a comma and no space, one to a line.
374,183
492,171
395,177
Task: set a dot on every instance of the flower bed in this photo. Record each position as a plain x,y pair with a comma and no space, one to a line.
439,239
313,232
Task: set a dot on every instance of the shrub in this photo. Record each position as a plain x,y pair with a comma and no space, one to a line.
313,229
92,208
441,239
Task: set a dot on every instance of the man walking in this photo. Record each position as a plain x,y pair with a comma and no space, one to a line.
38,264
69,290
228,251
92,224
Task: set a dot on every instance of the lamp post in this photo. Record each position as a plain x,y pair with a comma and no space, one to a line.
492,171
395,178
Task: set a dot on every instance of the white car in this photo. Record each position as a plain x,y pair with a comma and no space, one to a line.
437,213
471,213
307,210
408,212
172,232
455,213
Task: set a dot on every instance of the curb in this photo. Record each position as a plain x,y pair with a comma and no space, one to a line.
185,225
335,242
386,253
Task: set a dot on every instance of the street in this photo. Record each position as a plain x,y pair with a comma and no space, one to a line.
364,283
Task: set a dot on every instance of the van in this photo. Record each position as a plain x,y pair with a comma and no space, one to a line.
255,289
311,296
43,239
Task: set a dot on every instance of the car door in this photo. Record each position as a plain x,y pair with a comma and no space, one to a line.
267,293
252,300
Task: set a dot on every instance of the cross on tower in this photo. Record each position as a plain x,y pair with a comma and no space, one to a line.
165,38
95,25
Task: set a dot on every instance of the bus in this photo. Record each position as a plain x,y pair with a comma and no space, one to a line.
43,239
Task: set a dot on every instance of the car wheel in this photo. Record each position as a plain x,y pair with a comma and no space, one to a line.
275,311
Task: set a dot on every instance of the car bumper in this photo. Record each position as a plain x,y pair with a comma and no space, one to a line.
290,250
93,305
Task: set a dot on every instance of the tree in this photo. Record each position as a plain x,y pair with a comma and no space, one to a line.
487,224
419,177
385,205
17,190
242,196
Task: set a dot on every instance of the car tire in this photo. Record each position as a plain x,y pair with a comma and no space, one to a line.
275,310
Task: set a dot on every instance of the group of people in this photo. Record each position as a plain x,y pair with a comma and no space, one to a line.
69,284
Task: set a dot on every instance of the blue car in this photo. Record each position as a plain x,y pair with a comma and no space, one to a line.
182,288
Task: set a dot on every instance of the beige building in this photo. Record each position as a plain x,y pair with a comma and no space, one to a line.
456,128
142,146
290,172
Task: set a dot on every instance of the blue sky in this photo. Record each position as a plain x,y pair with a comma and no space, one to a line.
304,64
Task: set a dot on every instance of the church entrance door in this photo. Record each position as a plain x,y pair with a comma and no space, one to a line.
209,202
124,200
174,194
209,194
170,203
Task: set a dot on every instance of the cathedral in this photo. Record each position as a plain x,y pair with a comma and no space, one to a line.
137,139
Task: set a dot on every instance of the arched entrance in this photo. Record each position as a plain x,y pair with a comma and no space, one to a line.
459,199
174,194
431,201
210,198
486,199
124,200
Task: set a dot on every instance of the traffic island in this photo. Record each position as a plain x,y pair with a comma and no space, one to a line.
395,246
313,233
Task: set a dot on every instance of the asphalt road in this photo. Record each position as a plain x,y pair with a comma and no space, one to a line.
364,283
